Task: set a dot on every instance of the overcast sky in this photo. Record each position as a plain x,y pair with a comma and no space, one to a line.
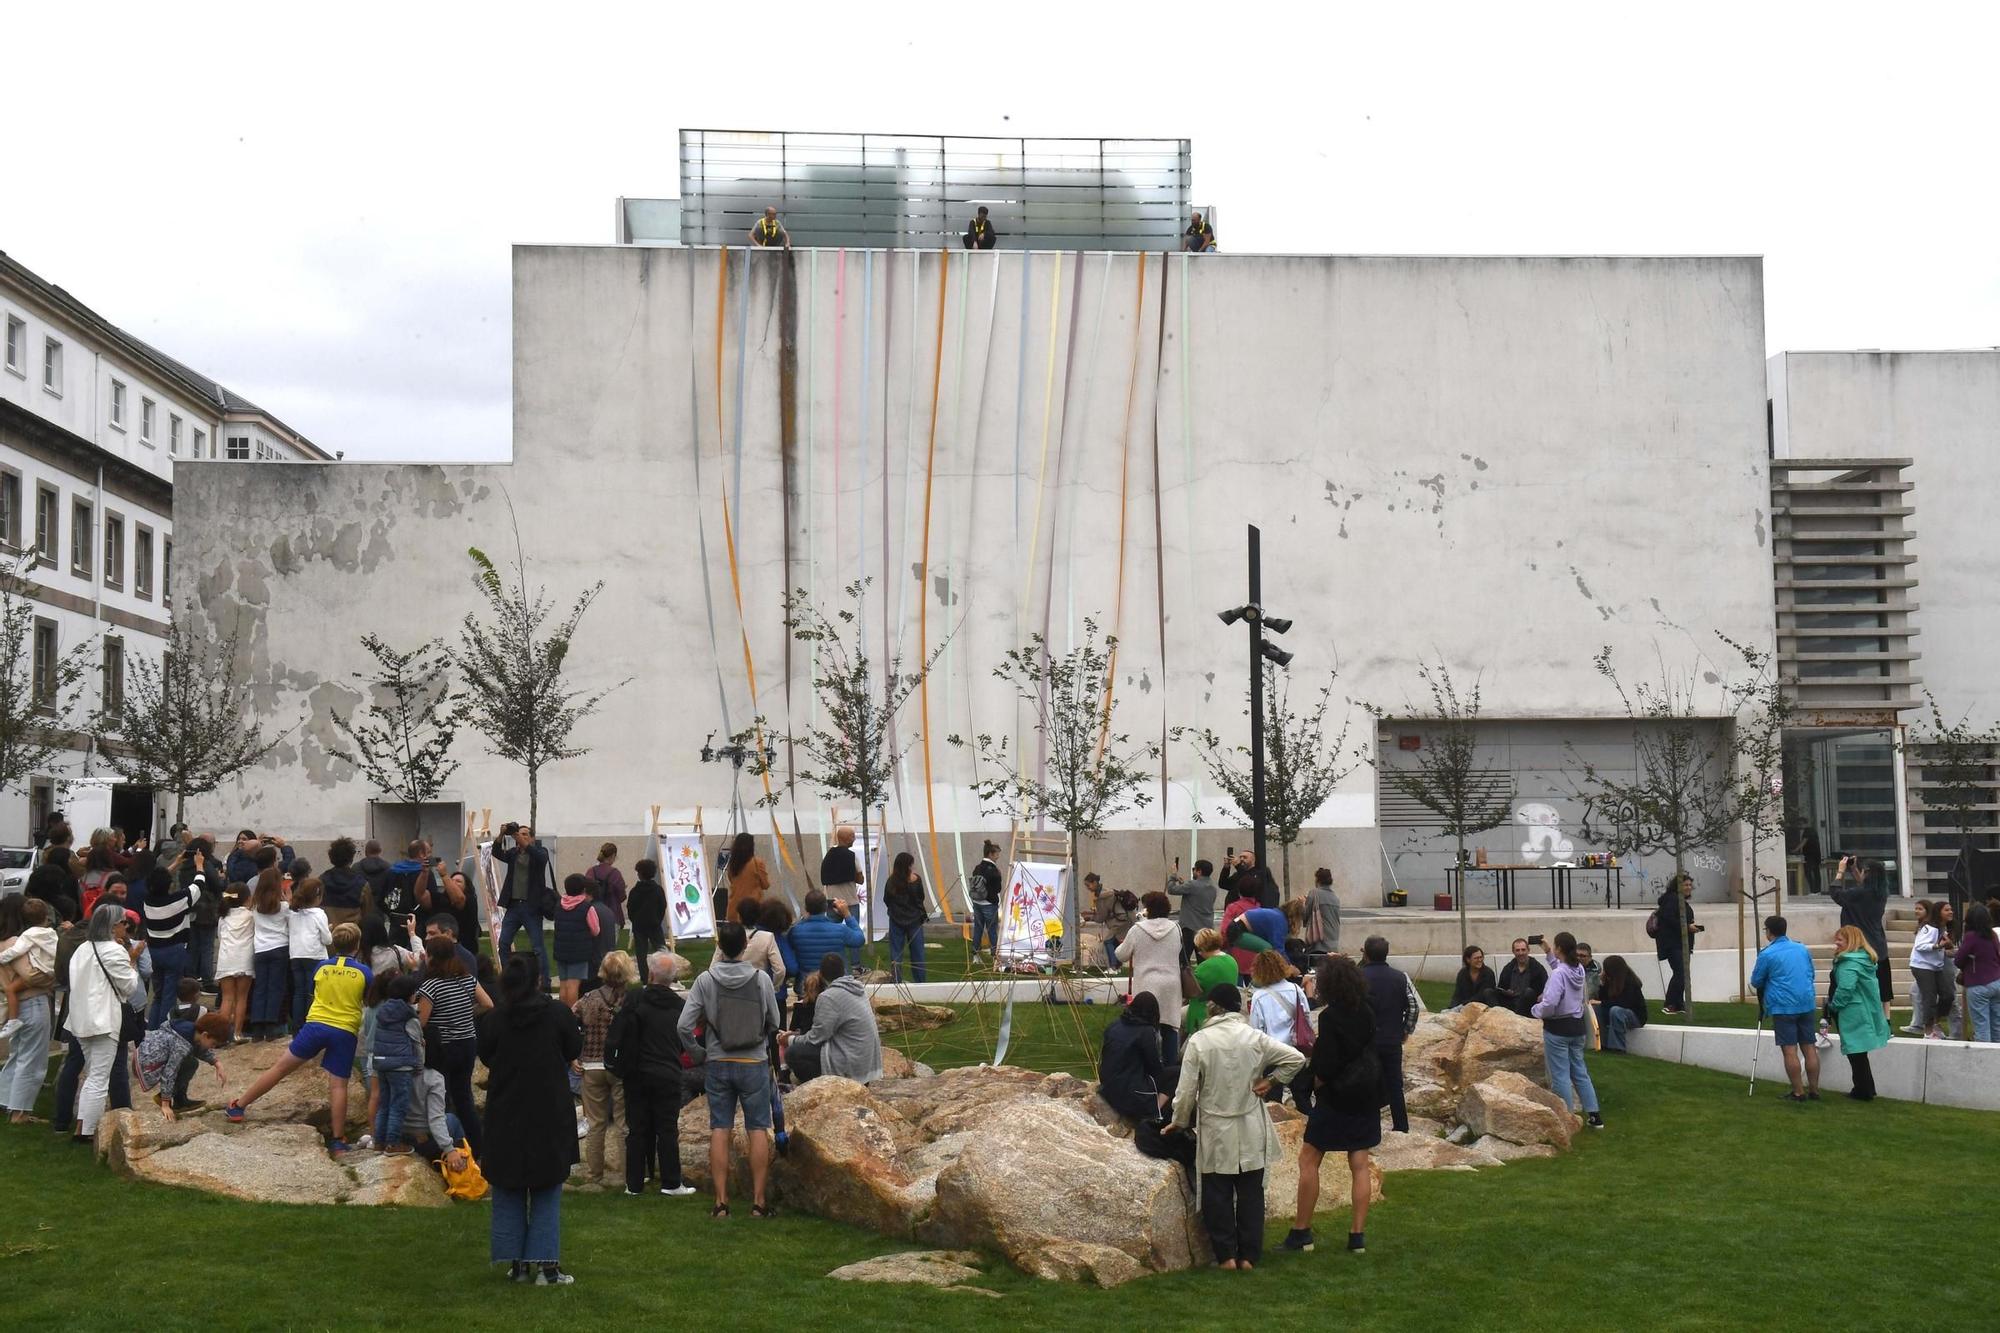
314,204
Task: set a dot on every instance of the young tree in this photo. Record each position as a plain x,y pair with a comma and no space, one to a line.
1301,769
1682,797
187,724
1959,764
402,740
848,755
1762,703
1088,771
516,694
1447,778
34,713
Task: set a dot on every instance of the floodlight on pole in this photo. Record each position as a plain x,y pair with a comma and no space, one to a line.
1252,615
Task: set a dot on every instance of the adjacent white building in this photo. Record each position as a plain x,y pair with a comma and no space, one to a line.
92,423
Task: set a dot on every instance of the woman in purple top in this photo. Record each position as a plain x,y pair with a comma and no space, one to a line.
1978,962
1565,1030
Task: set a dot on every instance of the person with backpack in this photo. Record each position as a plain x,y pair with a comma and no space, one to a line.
1322,916
1347,1101
610,881
1397,1010
603,1092
578,926
983,891
1279,1008
734,1010
643,1051
1226,1069
527,897
1673,930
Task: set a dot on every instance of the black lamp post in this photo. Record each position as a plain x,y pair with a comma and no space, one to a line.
1252,614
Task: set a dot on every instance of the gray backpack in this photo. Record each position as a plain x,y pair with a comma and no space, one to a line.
738,1020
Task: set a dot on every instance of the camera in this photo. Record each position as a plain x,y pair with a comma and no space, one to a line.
1538,939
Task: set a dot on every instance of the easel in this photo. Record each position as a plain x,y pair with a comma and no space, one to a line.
658,855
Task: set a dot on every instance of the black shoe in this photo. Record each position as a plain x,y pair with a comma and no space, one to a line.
1357,1242
551,1276
1298,1240
519,1272
1594,1120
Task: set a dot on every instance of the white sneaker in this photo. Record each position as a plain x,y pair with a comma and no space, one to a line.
365,1141
582,1128
677,1192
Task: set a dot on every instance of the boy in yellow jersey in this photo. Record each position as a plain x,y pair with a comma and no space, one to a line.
332,1026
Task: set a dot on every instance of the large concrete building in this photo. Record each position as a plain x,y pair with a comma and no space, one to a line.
1505,464
92,424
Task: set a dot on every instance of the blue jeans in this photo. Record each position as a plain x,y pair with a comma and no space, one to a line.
518,915
1615,1022
527,1225
899,939
28,1058
1983,1004
1567,1072
302,989
397,1085
985,924
267,991
170,964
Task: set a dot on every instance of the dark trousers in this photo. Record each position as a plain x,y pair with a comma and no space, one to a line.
71,1073
1187,946
201,941
646,943
519,917
1676,981
803,1059
1170,1045
1864,1077
170,964
652,1121
302,989
1232,1208
455,1062
267,991
1392,1085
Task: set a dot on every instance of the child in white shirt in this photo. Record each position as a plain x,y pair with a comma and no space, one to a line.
35,973
311,937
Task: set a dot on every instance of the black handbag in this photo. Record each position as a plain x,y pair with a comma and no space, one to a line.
131,1027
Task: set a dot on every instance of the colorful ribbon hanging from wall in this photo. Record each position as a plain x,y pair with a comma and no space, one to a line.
924,576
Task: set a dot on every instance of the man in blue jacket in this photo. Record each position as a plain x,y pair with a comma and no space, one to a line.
825,928
1783,978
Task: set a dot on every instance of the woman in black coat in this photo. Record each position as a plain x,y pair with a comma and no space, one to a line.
1474,983
1131,1078
527,1044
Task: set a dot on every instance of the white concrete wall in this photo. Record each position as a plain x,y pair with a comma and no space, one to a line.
1506,462
1942,410
1944,1073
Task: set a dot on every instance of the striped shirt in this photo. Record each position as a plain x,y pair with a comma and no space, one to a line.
451,1005
169,921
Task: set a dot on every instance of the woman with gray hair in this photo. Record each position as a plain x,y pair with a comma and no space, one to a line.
103,974
643,1049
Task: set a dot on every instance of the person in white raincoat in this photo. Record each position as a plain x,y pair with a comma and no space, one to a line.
1225,1070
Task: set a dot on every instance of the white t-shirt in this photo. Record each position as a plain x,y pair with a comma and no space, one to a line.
311,936
273,929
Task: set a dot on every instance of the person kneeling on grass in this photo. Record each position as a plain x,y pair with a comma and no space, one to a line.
165,1058
331,1029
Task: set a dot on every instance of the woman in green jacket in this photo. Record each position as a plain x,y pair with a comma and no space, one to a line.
1855,1000
1213,967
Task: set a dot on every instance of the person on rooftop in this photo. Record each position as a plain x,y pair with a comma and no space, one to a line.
767,230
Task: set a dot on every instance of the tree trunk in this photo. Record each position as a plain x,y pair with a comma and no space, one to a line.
1682,905
534,800
1464,927
180,806
874,891
1285,870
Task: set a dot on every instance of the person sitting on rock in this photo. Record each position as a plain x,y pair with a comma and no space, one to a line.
1474,983
165,1058
844,1039
1226,1069
331,1030
1130,1076
1522,980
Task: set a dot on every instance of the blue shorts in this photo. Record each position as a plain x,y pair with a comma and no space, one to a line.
335,1044
1793,1029
572,971
733,1083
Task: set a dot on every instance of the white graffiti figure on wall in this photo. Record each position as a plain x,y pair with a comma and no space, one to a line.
1545,835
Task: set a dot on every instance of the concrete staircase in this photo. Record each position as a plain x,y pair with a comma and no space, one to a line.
1899,923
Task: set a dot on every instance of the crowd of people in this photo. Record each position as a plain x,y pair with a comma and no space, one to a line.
592,1038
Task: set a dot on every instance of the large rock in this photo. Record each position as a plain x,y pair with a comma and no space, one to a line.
1508,1112
928,1268
276,1163
1040,1172
1423,1152
1453,1049
892,1015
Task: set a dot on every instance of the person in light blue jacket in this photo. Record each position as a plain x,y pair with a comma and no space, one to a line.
1783,980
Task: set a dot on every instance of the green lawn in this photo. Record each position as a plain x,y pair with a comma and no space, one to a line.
1700,1207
